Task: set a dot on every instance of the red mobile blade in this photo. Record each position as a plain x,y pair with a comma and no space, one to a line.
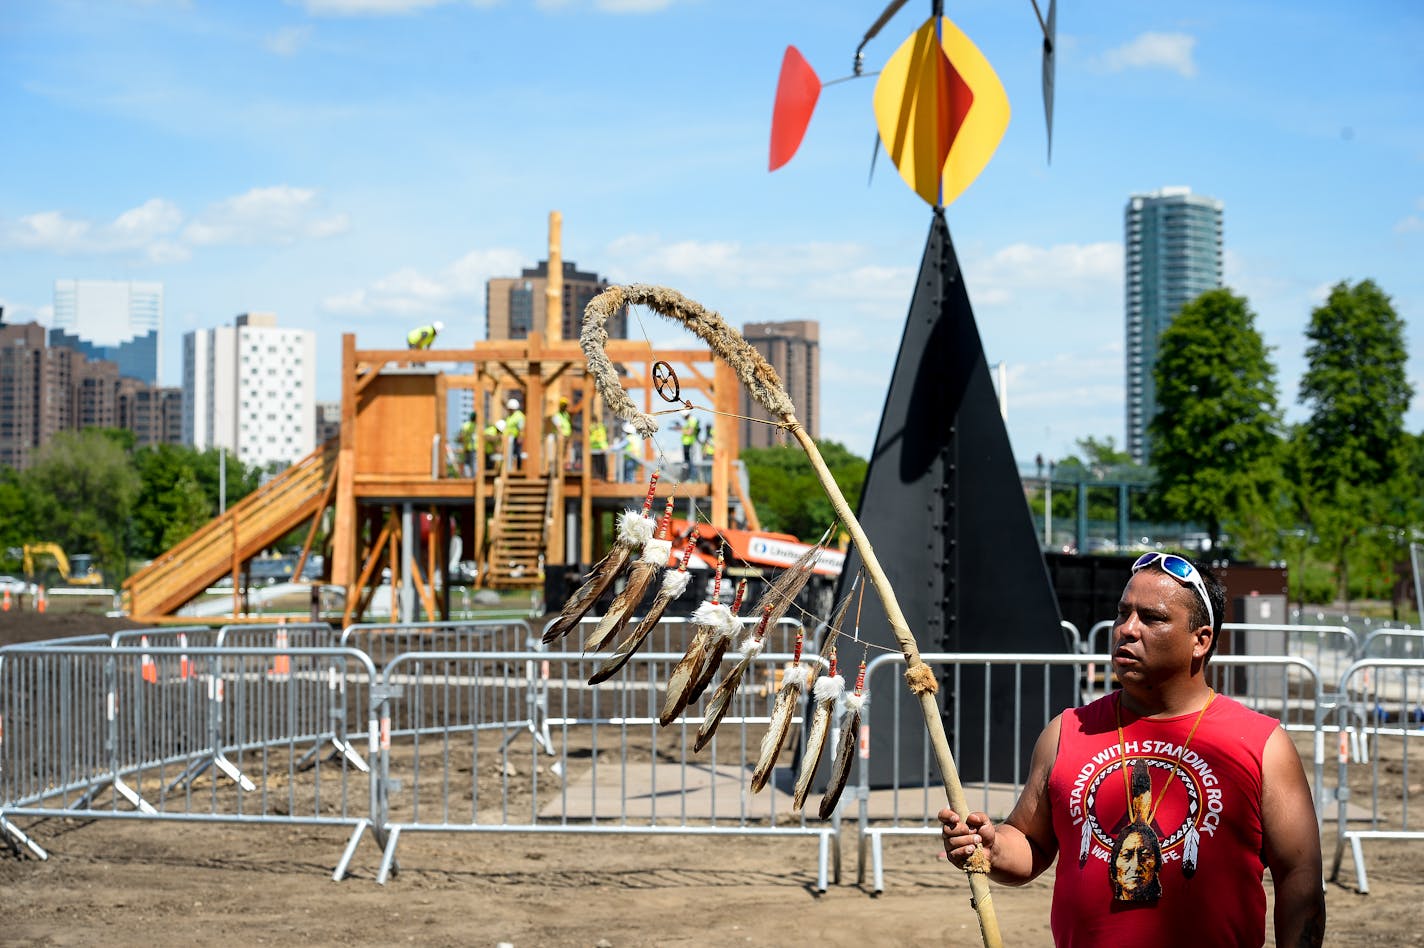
797,90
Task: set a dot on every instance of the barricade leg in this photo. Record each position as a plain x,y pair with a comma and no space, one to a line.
1363,882
350,851
877,863
388,858
16,838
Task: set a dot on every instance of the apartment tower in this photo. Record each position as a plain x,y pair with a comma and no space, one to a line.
1173,255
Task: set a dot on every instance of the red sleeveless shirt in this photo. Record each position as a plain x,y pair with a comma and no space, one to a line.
1209,814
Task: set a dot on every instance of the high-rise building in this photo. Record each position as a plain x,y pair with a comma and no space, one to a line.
251,388
794,350
1174,254
328,421
119,321
46,389
514,306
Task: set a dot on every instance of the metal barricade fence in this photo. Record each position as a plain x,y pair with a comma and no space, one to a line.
135,732
1329,648
1379,702
451,761
908,802
1393,643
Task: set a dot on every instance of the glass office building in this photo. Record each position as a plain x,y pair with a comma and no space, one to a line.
1174,254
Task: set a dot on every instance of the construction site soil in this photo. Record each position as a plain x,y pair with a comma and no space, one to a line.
125,882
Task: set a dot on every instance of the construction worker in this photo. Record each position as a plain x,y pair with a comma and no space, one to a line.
562,421
514,428
690,429
632,449
468,430
598,448
494,443
422,337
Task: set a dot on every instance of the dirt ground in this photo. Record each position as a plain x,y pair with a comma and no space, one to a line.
112,882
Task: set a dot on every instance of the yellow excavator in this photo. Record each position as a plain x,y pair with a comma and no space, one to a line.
82,574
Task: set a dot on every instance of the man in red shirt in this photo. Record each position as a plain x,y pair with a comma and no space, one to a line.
1163,802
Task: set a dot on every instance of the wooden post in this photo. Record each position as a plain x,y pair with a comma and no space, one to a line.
343,533
929,707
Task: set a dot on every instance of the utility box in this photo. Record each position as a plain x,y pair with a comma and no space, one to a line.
1260,610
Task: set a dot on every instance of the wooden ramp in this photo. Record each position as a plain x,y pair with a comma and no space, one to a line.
518,533
250,526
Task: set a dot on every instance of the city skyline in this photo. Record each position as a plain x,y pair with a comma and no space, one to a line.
366,165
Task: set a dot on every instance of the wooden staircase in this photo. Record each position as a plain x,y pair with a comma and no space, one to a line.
250,526
518,533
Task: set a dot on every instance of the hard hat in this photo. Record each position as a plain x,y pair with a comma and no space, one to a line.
687,413
439,326
512,404
563,400
499,425
628,427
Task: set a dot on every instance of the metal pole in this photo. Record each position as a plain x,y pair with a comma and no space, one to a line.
222,480
1415,551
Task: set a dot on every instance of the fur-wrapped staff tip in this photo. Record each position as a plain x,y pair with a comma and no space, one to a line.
674,584
795,679
634,531
654,556
845,753
716,624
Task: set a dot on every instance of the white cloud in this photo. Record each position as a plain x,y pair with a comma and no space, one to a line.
457,289
1413,223
272,215
142,229
287,41
1172,51
632,6
158,229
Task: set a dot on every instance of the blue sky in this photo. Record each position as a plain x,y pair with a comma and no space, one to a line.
365,165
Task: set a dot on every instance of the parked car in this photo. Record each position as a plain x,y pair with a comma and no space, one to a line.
16,587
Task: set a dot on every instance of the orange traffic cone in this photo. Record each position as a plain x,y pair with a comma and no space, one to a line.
5,605
147,667
185,667
281,664
41,601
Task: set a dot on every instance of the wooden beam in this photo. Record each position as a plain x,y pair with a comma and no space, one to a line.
315,522
343,533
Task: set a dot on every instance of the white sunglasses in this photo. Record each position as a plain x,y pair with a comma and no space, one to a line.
1180,569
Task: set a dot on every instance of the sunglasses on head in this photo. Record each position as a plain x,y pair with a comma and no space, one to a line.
1182,570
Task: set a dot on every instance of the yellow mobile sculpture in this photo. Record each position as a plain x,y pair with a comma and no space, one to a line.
940,112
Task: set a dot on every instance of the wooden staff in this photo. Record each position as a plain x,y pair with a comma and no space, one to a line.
765,386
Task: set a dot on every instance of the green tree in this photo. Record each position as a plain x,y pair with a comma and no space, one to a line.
81,489
171,502
16,520
1353,444
787,495
1216,434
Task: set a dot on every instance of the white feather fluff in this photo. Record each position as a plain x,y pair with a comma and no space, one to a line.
714,615
675,582
854,703
751,647
795,675
829,689
634,529
657,552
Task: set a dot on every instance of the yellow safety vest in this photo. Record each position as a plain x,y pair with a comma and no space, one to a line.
597,437
563,424
514,423
420,337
